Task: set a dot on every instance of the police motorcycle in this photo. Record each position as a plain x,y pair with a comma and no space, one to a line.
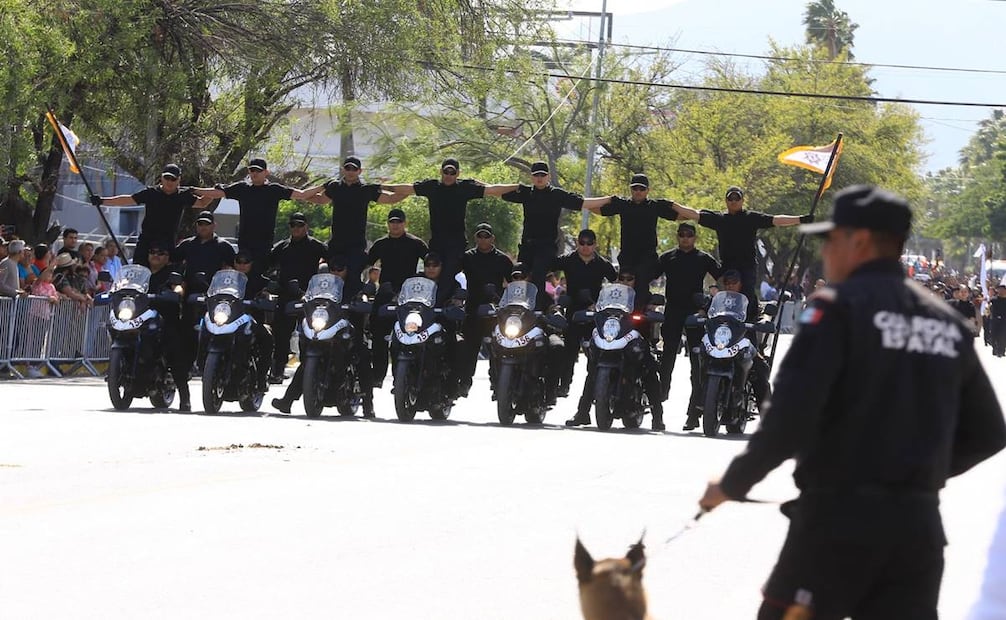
727,355
519,350
617,348
328,346
422,372
138,364
231,371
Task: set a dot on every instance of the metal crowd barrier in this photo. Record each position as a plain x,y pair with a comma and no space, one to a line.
62,337
788,319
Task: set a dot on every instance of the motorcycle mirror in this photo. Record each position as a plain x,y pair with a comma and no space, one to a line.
657,300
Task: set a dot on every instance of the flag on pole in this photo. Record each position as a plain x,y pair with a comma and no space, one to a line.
983,274
67,139
813,158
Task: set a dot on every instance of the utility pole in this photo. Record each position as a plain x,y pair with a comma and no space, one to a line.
588,182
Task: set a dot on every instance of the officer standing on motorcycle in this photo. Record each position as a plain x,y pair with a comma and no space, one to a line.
685,269
737,232
585,270
638,217
880,398
158,259
296,258
399,252
484,266
543,205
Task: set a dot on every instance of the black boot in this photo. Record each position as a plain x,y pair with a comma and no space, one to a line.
692,423
657,422
368,407
582,418
282,404
184,404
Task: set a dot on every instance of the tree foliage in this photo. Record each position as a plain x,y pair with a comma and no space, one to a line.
829,28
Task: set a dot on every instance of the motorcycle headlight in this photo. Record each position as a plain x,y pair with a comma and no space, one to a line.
319,319
611,328
221,313
512,327
126,309
413,322
722,336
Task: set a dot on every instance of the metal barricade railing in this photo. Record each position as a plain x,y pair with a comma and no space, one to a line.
788,319
67,336
32,328
98,345
7,315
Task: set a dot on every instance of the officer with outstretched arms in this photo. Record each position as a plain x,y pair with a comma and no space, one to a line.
880,398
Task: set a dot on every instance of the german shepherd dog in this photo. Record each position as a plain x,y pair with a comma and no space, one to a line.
612,589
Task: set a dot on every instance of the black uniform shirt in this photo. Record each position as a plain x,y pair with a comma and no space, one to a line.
736,234
481,269
581,276
297,260
349,213
965,308
447,209
206,256
542,208
258,205
881,389
997,308
158,283
639,223
398,256
162,213
685,273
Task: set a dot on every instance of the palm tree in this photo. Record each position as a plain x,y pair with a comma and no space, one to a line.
829,27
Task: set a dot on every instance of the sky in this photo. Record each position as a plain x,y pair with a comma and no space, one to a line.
940,33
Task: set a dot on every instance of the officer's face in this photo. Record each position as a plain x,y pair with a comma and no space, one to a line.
484,241
205,230
243,265
734,286
170,183
396,228
350,173
585,247
258,175
157,259
841,252
448,175
735,202
432,270
539,180
686,239
639,193
298,230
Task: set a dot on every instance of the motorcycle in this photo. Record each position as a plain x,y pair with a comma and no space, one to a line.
618,350
328,347
138,365
519,349
231,370
727,354
422,372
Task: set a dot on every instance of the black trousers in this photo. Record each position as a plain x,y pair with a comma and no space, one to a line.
474,330
380,329
538,257
645,268
283,327
572,343
355,261
748,288
860,557
670,331
998,331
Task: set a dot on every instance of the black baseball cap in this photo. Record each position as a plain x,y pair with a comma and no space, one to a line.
450,162
205,216
733,189
731,274
539,167
396,215
639,179
587,233
257,164
484,227
432,258
171,170
158,246
244,256
352,160
518,268
686,226
298,218
866,206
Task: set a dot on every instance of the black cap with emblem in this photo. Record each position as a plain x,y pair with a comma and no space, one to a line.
865,206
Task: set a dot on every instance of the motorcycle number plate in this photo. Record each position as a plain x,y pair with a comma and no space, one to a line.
130,324
520,341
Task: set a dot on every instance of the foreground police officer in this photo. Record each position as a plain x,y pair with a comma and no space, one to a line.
880,399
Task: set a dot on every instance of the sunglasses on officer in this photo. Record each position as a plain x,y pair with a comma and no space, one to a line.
451,172
158,252
586,241
734,197
686,233
350,167
298,224
242,261
483,235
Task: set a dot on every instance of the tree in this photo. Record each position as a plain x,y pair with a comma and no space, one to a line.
829,28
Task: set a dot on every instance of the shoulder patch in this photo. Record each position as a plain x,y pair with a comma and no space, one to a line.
811,315
825,294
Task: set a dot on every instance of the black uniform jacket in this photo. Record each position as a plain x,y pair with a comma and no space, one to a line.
881,390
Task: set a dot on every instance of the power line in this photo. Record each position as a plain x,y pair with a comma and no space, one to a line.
785,58
747,91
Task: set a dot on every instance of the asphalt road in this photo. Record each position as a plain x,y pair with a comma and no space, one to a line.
145,514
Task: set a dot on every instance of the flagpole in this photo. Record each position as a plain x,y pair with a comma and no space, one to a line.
72,157
825,178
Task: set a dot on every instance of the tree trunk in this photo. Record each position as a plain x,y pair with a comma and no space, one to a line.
347,146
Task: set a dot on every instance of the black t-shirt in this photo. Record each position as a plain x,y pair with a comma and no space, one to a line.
297,260
447,209
736,234
581,275
965,308
481,269
206,256
542,208
398,256
639,223
349,213
162,213
258,207
997,308
685,273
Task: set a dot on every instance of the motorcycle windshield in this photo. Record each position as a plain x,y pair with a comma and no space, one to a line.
133,278
418,290
616,296
519,293
325,286
729,304
228,282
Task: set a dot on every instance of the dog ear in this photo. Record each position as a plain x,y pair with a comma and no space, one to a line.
636,555
583,563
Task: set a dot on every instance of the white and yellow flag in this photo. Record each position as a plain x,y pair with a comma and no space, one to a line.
814,158
67,139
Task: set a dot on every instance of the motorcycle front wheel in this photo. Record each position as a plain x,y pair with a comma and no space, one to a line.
119,390
714,405
604,397
252,402
213,383
748,404
315,386
163,392
506,408
405,393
